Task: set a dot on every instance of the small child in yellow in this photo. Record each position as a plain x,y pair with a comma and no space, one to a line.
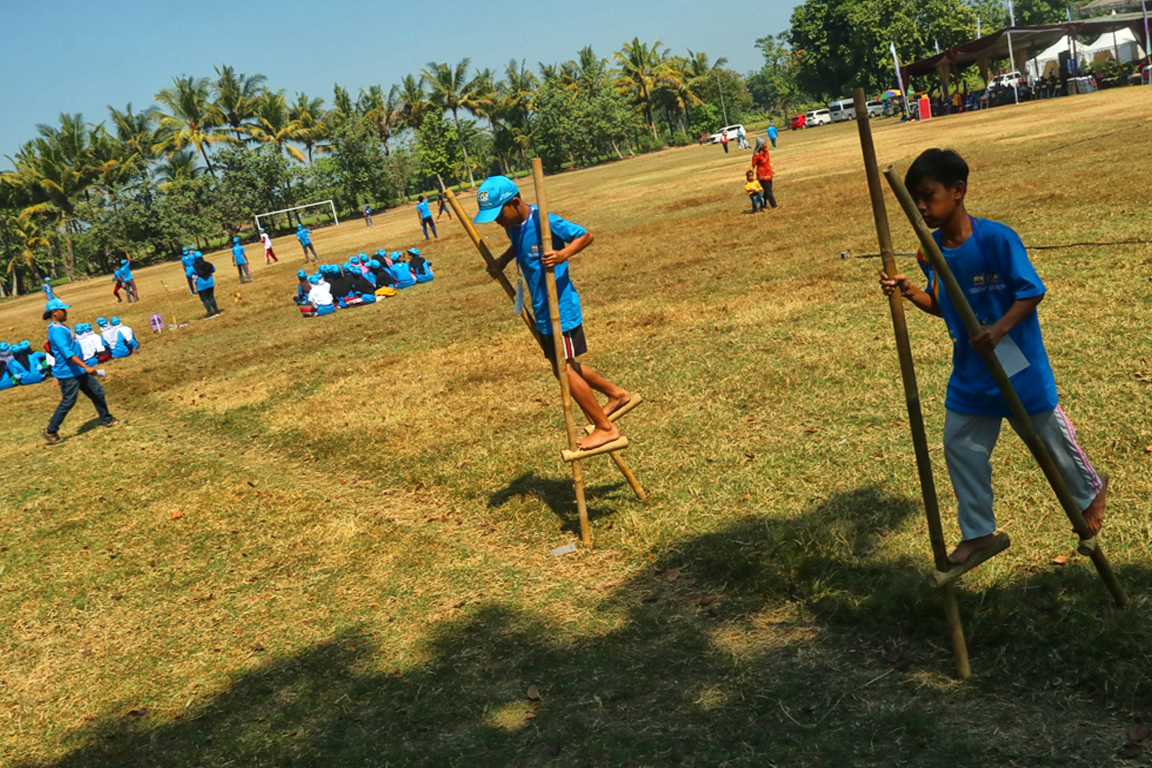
754,190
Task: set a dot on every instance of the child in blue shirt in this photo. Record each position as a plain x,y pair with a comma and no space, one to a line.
129,281
241,261
72,373
303,234
500,201
46,286
991,265
186,258
424,213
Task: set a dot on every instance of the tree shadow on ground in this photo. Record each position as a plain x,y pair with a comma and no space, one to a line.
760,643
560,496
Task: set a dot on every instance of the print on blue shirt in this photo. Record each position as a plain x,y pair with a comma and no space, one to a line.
526,242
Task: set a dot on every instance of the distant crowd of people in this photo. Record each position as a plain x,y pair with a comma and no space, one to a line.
360,280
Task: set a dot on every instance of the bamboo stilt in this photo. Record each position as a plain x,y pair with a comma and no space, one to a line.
618,444
1000,543
1024,421
526,314
544,230
911,393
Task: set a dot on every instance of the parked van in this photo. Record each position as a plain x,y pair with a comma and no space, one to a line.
842,110
875,109
817,117
1009,79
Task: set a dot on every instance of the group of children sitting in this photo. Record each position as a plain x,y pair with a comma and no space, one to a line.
22,365
359,281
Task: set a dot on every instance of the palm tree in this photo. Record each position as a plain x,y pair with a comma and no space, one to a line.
384,112
53,171
414,100
177,167
191,117
312,121
450,89
640,65
274,125
134,141
237,97
342,109
699,70
29,238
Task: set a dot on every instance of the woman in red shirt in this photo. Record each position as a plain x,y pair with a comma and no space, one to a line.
762,164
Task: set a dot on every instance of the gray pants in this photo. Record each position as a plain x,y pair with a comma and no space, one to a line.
968,444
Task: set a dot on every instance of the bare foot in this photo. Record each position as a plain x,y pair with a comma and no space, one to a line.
616,403
969,547
1094,515
598,438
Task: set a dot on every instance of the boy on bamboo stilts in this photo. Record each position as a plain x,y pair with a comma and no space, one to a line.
500,201
992,267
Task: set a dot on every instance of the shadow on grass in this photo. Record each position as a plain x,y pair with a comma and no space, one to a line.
560,496
752,645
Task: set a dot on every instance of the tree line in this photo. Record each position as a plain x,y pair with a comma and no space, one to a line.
210,153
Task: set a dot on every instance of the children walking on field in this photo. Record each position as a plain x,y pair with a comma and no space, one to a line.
754,190
991,265
500,201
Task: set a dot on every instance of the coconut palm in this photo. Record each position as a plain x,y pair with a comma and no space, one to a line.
414,99
29,239
384,112
449,88
237,98
640,66
177,167
190,118
342,109
312,121
274,124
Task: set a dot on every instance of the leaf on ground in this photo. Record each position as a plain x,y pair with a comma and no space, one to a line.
530,716
177,515
533,693
1059,560
1138,733
672,574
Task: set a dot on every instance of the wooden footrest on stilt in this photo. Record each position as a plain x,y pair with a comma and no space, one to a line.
616,445
621,411
1087,547
999,543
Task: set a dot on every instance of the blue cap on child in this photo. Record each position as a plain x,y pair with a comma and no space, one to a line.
493,193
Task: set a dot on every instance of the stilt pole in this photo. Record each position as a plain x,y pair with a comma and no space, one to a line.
1088,543
526,314
911,393
545,232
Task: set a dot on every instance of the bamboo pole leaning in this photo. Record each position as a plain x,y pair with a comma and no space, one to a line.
1088,543
912,393
545,231
530,321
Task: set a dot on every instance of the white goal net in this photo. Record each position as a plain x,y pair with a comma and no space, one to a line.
289,211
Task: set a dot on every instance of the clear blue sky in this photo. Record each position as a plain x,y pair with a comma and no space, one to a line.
74,56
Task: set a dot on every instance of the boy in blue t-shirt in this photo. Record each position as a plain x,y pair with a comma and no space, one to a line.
303,234
500,201
424,213
240,260
186,258
991,265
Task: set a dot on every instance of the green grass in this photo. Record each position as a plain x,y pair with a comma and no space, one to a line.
327,543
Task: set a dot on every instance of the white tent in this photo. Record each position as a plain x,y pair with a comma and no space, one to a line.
1121,45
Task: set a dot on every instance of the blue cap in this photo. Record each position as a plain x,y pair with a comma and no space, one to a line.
184,249
493,193
123,262
3,346
301,273
100,321
395,255
54,304
199,254
47,279
314,279
115,321
374,264
235,239
355,259
414,251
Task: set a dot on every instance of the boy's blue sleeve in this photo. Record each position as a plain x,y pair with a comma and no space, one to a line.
565,230
926,268
1012,260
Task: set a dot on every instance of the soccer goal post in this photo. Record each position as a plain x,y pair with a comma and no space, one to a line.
288,211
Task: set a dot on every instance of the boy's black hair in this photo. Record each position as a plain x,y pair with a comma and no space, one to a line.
942,165
47,314
421,198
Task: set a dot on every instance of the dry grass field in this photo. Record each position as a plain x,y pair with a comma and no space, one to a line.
327,542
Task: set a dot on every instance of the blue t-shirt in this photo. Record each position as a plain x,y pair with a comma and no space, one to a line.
403,274
526,242
772,131
63,345
993,269
422,207
48,291
238,254
187,260
126,273
302,236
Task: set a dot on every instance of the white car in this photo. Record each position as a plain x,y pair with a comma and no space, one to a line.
875,109
817,117
733,131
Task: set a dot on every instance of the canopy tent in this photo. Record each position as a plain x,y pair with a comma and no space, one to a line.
1121,45
1027,42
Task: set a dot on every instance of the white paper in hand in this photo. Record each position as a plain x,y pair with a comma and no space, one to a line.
1011,357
